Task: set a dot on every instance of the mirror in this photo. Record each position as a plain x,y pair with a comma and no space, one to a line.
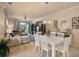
64,24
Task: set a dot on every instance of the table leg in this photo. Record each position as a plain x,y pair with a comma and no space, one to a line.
53,51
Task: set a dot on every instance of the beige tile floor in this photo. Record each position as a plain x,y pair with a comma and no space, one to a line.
27,50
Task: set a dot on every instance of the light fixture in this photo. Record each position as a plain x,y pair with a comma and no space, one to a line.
46,2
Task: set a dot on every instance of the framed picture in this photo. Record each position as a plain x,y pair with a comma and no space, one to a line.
75,23
55,24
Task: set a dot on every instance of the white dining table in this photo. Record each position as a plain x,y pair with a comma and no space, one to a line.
53,41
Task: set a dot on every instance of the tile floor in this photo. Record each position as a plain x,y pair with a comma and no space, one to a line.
27,50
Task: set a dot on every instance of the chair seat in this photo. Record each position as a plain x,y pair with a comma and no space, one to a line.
59,48
45,49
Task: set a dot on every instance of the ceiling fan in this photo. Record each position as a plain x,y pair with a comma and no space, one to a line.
10,3
46,2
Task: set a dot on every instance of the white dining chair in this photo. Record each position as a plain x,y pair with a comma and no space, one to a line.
37,42
61,35
64,49
70,37
53,34
44,45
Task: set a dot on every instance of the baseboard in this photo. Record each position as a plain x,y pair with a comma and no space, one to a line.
76,46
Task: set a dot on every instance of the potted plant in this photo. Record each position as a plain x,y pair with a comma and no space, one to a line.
4,49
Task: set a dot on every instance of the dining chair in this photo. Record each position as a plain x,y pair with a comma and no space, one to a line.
64,49
37,42
70,37
44,45
61,35
53,34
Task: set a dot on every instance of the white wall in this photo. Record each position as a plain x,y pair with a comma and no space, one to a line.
67,15
2,27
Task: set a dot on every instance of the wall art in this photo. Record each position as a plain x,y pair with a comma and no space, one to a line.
75,23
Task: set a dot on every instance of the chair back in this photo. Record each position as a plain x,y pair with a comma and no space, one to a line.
66,43
37,37
61,35
44,43
53,33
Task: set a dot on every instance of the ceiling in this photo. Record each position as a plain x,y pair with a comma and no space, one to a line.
37,9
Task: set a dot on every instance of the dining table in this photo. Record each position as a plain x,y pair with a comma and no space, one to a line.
53,41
